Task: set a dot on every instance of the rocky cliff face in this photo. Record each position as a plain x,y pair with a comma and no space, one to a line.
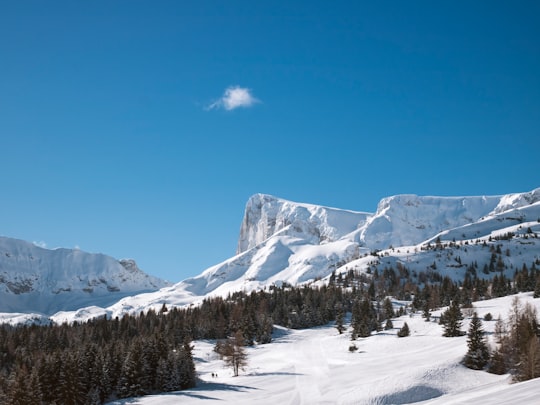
266,216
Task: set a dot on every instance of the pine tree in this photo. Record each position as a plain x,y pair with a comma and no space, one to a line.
187,366
355,319
19,390
478,354
426,312
404,331
339,321
388,308
364,319
131,379
451,319
497,364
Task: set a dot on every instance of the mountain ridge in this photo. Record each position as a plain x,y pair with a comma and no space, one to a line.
284,242
45,281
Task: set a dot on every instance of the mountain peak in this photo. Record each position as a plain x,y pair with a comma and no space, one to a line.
266,215
45,281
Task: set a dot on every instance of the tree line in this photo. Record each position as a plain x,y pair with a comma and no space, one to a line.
104,359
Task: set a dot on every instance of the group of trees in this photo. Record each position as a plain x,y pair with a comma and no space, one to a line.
92,362
517,344
102,359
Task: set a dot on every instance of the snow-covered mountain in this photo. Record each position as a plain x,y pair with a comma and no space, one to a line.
282,241
45,281
266,216
286,242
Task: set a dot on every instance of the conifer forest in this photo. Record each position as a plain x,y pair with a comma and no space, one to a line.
105,359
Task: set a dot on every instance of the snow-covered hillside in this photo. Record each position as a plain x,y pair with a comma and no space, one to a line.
281,241
286,242
45,281
315,366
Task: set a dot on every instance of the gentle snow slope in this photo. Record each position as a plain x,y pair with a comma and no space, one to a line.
314,366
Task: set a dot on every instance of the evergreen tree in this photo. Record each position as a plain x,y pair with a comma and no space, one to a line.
404,331
451,319
364,319
187,367
72,390
388,308
478,354
339,321
497,364
426,311
355,319
19,391
131,380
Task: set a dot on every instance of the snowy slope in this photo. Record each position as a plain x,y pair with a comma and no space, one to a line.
314,366
409,219
285,242
45,281
281,241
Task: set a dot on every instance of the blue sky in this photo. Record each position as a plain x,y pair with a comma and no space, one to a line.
140,129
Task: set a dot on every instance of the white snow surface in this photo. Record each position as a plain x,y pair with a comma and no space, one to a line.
286,242
315,366
409,219
44,281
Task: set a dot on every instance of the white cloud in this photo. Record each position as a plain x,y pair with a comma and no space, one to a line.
234,97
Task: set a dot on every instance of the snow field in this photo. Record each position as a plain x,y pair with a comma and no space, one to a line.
315,366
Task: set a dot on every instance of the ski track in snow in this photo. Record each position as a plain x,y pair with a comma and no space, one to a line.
314,366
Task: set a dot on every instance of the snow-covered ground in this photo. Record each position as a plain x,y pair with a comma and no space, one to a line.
315,366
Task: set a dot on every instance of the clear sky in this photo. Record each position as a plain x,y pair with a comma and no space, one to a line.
140,128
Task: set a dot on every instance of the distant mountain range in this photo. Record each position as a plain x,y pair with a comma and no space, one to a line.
286,242
45,281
